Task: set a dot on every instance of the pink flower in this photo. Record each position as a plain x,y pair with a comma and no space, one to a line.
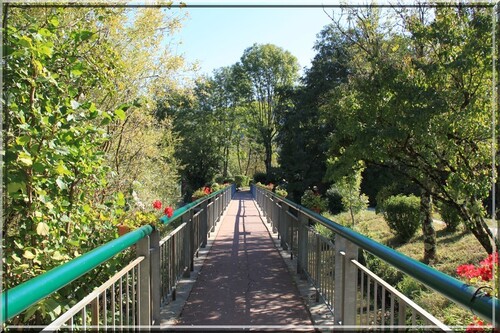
157,204
169,211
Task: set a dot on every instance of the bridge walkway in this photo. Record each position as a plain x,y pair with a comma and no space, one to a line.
244,280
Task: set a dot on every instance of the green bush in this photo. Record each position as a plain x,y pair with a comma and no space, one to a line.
335,205
384,270
313,201
410,287
228,180
260,177
219,179
241,180
402,214
450,216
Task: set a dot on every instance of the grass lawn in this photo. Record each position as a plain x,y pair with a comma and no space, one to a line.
453,249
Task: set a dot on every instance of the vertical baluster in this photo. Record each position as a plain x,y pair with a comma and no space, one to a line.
105,308
95,313
392,310
402,312
375,302
120,301
113,306
135,287
84,318
383,305
413,317
361,298
368,299
128,298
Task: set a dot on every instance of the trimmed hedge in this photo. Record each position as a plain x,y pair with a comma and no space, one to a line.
402,214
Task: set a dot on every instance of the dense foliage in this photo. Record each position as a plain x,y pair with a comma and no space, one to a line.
82,150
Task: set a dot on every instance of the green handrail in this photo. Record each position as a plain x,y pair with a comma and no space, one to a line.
19,298
456,290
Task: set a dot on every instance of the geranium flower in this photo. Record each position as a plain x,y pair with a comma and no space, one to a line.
157,204
169,211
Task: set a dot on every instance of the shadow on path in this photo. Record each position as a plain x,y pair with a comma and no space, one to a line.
244,280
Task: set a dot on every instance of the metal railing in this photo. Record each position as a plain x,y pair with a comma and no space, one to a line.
354,294
134,295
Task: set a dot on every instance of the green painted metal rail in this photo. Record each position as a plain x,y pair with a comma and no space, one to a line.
466,295
19,298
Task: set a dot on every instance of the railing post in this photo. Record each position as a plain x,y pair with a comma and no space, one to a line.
155,276
188,237
345,290
302,245
144,297
282,225
204,223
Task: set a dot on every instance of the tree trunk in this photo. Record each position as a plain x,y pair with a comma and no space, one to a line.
430,251
477,226
269,155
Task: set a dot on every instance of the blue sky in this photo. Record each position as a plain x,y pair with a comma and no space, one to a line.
217,37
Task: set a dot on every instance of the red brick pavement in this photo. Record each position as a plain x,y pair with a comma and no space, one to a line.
244,280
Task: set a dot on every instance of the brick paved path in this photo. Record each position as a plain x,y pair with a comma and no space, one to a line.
244,280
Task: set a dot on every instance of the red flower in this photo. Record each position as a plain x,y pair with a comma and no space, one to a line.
157,204
476,326
206,190
169,211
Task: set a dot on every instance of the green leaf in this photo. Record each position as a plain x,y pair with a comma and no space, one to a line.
61,169
28,255
15,187
120,114
74,104
42,229
57,256
16,258
25,159
120,199
22,140
25,41
73,242
54,21
61,184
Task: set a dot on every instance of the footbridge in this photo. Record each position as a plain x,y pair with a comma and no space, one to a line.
243,260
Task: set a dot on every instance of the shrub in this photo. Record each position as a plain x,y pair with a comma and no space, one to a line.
241,180
384,270
410,287
260,177
313,201
324,231
402,214
279,190
219,179
450,216
215,187
334,198
228,180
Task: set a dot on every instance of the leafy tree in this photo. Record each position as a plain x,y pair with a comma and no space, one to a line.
302,133
349,187
266,70
421,112
54,168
